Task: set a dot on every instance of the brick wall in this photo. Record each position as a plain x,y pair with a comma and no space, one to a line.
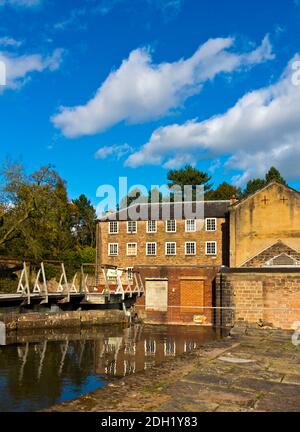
176,312
161,237
264,299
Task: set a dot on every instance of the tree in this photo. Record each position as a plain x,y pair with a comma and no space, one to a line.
84,221
224,191
274,174
36,217
189,176
256,184
253,186
134,196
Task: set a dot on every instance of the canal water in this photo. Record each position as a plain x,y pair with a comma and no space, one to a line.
38,370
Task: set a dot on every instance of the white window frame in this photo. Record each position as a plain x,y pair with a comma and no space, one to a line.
166,248
185,249
175,223
186,225
206,224
151,232
131,255
151,243
129,231
130,273
109,250
216,248
109,227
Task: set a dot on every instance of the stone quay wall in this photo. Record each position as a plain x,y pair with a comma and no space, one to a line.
31,321
258,297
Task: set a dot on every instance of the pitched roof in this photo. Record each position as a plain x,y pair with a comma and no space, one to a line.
217,209
272,183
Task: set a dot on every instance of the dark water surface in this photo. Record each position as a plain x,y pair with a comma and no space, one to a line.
38,370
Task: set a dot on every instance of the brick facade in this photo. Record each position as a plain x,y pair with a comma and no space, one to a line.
161,237
177,277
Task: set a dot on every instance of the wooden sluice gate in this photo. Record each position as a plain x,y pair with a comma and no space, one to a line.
106,286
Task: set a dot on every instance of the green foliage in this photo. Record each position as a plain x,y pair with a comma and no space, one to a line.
84,217
37,221
134,196
224,191
189,176
254,185
274,174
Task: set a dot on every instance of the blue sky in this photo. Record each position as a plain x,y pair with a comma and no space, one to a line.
103,89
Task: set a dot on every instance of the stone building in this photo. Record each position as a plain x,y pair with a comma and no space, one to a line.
165,241
262,284
242,255
265,228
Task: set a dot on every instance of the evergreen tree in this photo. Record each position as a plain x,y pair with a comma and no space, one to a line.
253,186
224,191
274,174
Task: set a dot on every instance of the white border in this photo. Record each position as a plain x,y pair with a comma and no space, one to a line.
195,227
136,227
171,220
166,248
117,232
148,243
216,246
111,244
216,224
131,243
185,248
147,224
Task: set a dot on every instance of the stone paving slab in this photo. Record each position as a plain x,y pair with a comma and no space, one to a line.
201,382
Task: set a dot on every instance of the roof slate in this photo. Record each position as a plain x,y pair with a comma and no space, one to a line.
213,209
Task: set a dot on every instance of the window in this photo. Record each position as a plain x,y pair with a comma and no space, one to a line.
131,227
211,224
171,226
150,347
190,248
170,248
113,249
113,227
131,249
151,249
190,225
151,226
130,273
170,348
211,248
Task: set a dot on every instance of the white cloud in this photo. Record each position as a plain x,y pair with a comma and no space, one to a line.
19,68
21,3
261,130
7,41
118,151
140,90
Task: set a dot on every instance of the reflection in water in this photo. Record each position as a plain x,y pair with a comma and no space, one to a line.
39,370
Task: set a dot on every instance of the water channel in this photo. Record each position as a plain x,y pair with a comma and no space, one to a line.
40,369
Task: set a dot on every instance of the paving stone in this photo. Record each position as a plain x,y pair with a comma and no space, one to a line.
291,379
236,360
209,379
256,385
232,408
273,403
